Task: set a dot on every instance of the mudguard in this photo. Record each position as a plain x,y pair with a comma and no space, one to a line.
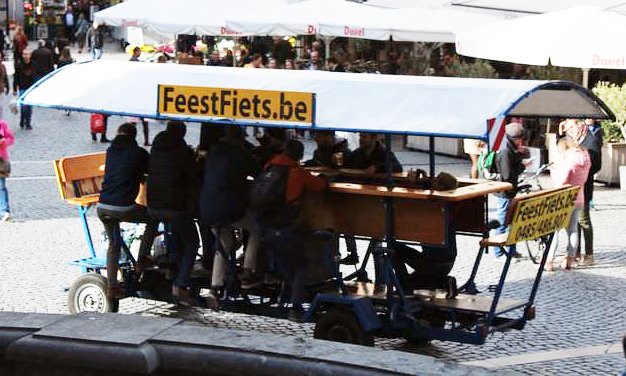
361,306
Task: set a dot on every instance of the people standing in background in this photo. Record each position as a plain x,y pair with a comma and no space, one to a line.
4,85
256,61
6,140
23,79
314,63
289,65
2,41
136,54
20,43
96,41
65,58
579,132
69,22
333,65
473,148
81,31
103,135
271,63
43,60
572,168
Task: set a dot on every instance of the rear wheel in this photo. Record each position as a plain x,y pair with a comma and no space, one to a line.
340,325
88,294
535,249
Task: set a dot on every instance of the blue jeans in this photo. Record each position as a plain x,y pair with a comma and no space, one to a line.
4,197
502,206
183,240
96,53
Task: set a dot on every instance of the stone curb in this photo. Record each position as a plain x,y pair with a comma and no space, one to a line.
89,344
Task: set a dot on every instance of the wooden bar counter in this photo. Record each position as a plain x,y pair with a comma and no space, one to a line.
420,215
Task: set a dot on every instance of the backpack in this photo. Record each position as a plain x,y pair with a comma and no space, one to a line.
267,197
487,167
269,189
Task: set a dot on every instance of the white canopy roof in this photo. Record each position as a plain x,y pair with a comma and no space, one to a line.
339,18
323,17
433,25
137,13
560,38
448,107
207,17
334,18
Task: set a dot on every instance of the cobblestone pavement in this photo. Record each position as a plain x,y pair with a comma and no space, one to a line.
584,307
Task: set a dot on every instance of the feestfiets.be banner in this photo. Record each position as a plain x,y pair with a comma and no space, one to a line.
542,215
238,104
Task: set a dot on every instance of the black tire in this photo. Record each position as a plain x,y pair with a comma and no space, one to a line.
88,294
340,325
535,249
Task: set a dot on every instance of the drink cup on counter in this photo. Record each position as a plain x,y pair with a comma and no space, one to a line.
338,159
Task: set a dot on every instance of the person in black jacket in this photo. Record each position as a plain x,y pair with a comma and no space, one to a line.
510,165
331,151
172,200
125,168
224,202
43,60
23,79
372,155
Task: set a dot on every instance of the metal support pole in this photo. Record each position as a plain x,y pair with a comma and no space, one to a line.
82,210
431,155
586,77
533,292
389,223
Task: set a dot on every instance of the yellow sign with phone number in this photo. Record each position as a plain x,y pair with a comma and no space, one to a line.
243,104
542,215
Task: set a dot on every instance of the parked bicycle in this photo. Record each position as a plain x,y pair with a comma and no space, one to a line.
531,183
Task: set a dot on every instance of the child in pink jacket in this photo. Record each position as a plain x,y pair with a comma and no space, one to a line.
572,168
6,140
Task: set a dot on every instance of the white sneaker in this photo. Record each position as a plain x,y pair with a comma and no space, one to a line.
6,217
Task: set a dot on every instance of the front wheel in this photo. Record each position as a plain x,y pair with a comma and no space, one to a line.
88,294
340,325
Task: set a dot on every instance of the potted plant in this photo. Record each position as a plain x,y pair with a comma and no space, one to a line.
614,148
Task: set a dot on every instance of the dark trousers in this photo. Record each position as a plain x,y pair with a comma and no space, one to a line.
70,33
26,113
103,135
208,246
111,219
292,264
431,266
584,221
181,240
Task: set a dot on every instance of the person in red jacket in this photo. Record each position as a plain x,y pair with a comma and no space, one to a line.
276,202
